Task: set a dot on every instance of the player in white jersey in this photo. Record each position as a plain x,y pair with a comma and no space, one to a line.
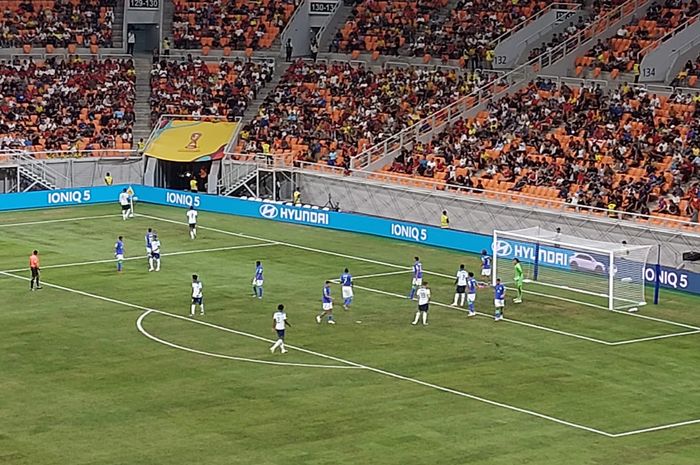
461,283
125,202
155,254
423,295
192,221
279,323
197,297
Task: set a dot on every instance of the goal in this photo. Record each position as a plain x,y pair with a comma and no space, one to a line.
596,273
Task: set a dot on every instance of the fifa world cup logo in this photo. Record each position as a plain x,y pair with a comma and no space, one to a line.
194,138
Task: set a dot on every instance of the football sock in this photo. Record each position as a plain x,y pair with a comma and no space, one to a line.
119,265
456,299
425,318
461,303
192,310
417,318
471,306
413,292
260,291
201,309
282,346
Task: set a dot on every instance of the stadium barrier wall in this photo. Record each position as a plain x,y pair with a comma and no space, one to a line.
463,241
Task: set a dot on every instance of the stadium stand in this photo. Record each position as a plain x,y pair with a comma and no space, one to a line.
623,51
66,105
192,86
623,148
688,75
330,112
56,23
229,24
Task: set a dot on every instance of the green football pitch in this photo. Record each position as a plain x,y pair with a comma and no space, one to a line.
105,368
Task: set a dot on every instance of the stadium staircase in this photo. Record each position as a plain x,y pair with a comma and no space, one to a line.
142,108
118,26
235,177
252,109
37,174
167,26
341,16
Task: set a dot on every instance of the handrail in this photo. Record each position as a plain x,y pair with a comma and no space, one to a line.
665,37
522,24
443,186
27,155
532,66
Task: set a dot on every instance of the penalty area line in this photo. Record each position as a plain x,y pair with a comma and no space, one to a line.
142,330
141,257
336,359
653,338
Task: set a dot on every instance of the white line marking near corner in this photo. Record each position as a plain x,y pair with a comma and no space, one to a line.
60,220
653,338
139,325
656,428
336,359
141,257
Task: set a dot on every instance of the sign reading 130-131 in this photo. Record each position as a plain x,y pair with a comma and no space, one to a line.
144,4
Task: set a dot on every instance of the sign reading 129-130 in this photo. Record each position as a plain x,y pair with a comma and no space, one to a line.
144,4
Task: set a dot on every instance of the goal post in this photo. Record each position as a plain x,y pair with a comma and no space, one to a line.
596,273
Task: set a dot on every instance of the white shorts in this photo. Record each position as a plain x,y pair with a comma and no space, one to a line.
347,292
327,306
417,281
499,303
120,256
148,251
471,298
257,282
486,272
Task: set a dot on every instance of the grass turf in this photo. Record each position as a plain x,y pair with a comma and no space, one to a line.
81,385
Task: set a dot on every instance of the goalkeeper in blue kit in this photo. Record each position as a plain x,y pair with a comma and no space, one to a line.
519,278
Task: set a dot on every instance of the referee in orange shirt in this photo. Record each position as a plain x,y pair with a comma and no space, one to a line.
34,266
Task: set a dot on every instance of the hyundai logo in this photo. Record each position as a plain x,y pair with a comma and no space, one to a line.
268,211
502,249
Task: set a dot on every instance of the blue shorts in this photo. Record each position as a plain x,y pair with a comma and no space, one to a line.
280,333
196,301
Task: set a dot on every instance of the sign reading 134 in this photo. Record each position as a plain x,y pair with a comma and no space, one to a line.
144,4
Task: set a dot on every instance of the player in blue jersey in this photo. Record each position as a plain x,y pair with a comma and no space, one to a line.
258,280
149,238
499,299
417,277
327,302
471,294
346,288
485,264
119,252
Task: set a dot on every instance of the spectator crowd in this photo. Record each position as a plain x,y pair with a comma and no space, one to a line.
191,86
624,148
330,112
66,104
237,24
57,23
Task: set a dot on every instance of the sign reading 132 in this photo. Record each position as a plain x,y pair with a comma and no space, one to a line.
144,4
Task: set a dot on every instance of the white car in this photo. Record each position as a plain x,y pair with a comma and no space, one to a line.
582,261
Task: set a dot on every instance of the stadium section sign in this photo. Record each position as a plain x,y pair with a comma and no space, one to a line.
188,141
144,4
669,278
322,7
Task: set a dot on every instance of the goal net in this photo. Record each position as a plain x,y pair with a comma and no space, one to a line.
596,273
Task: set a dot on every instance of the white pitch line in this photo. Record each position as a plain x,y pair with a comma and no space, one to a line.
79,218
508,320
656,428
141,257
139,325
653,338
376,275
658,320
337,359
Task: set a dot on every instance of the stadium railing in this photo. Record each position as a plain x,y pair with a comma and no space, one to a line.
270,161
522,24
434,124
